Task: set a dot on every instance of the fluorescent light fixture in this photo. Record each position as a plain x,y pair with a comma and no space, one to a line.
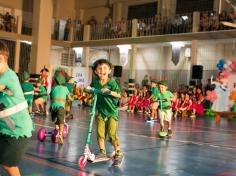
184,17
124,48
27,42
177,44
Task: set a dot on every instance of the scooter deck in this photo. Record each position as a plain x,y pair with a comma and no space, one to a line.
101,160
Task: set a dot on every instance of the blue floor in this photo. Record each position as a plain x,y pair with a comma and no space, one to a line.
201,147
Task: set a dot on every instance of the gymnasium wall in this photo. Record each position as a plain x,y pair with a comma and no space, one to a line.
15,4
156,61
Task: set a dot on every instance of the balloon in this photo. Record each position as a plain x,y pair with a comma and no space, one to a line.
212,114
234,63
225,74
222,61
228,62
233,96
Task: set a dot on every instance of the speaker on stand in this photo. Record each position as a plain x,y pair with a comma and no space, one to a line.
117,71
196,75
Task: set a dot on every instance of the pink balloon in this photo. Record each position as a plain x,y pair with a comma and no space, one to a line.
225,74
211,96
232,66
234,63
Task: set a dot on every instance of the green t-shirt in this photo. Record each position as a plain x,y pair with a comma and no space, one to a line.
107,105
155,92
22,119
59,91
164,96
43,92
70,87
28,87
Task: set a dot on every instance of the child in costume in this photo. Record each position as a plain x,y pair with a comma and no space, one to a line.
223,92
28,90
175,104
59,95
71,87
139,103
124,101
107,105
153,99
165,99
16,125
41,98
186,106
198,104
133,101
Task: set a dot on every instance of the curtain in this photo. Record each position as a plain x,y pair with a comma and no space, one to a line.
25,50
11,46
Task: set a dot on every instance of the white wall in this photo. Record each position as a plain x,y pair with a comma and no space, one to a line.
159,58
56,56
156,61
211,52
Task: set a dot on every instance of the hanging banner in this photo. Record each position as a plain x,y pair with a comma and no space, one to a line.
81,76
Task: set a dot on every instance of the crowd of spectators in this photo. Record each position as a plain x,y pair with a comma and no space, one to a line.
158,25
211,21
109,28
7,22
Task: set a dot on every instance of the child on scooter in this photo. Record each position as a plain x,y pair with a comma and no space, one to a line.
107,104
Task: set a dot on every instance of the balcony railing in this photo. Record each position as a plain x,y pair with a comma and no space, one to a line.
184,23
121,29
160,26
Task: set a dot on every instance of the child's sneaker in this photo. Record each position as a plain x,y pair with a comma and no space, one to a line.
150,120
169,132
101,155
118,158
60,139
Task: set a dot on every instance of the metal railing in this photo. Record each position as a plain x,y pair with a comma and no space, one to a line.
78,29
159,26
211,21
121,29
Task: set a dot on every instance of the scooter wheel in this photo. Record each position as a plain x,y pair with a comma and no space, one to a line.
42,134
65,131
54,136
82,162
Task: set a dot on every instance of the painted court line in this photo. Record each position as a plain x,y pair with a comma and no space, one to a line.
44,163
231,147
227,173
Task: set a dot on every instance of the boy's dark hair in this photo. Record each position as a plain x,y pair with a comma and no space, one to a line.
99,62
4,49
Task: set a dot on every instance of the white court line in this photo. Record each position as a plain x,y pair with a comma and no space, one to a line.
231,147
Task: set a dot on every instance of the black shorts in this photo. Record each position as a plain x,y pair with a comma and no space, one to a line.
12,150
58,115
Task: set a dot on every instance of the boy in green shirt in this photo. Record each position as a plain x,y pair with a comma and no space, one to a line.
59,95
28,90
16,125
107,105
153,99
165,99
